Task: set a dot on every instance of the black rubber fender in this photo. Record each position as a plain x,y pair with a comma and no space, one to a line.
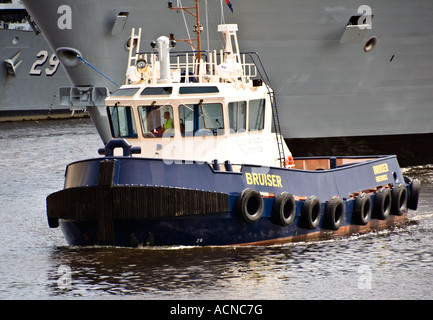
399,200
362,209
382,204
53,222
284,209
414,189
311,212
334,212
249,205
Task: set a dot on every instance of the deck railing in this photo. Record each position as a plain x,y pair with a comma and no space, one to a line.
185,67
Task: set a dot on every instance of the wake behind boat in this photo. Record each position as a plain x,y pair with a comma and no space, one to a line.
197,158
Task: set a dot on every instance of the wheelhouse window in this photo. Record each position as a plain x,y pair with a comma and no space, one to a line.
256,117
152,91
156,121
201,119
125,92
122,122
198,90
238,116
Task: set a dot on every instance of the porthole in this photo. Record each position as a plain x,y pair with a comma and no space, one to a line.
370,44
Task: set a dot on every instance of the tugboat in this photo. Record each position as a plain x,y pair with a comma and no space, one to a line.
197,158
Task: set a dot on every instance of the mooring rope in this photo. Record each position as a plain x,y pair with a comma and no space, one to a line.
88,63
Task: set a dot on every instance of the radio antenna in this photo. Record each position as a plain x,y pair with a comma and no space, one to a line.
197,28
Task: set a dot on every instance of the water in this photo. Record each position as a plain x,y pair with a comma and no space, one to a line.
36,263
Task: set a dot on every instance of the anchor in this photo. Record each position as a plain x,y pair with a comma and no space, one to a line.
12,64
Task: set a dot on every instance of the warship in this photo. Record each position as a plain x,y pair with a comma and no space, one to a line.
351,77
31,73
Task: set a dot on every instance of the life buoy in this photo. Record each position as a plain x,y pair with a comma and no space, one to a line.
414,188
334,213
310,213
289,162
284,209
399,200
362,209
382,204
249,205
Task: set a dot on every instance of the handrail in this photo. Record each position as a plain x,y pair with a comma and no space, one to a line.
275,116
213,66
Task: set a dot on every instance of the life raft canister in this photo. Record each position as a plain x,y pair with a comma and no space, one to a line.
284,209
399,200
249,205
333,213
311,212
362,209
382,204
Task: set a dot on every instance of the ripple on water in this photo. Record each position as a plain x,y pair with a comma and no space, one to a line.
397,262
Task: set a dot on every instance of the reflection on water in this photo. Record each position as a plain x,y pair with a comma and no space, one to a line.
37,263
316,270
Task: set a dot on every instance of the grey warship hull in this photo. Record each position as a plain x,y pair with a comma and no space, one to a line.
366,92
31,93
30,73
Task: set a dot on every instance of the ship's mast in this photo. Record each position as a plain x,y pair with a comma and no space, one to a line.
197,28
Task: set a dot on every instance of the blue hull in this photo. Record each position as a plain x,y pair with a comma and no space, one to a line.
138,201
221,230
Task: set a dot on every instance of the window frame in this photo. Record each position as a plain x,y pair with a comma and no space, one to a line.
131,125
197,117
238,105
262,105
152,134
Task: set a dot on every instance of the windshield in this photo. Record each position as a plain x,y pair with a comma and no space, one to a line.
156,121
122,122
201,119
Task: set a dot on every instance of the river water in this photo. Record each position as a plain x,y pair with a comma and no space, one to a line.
37,263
